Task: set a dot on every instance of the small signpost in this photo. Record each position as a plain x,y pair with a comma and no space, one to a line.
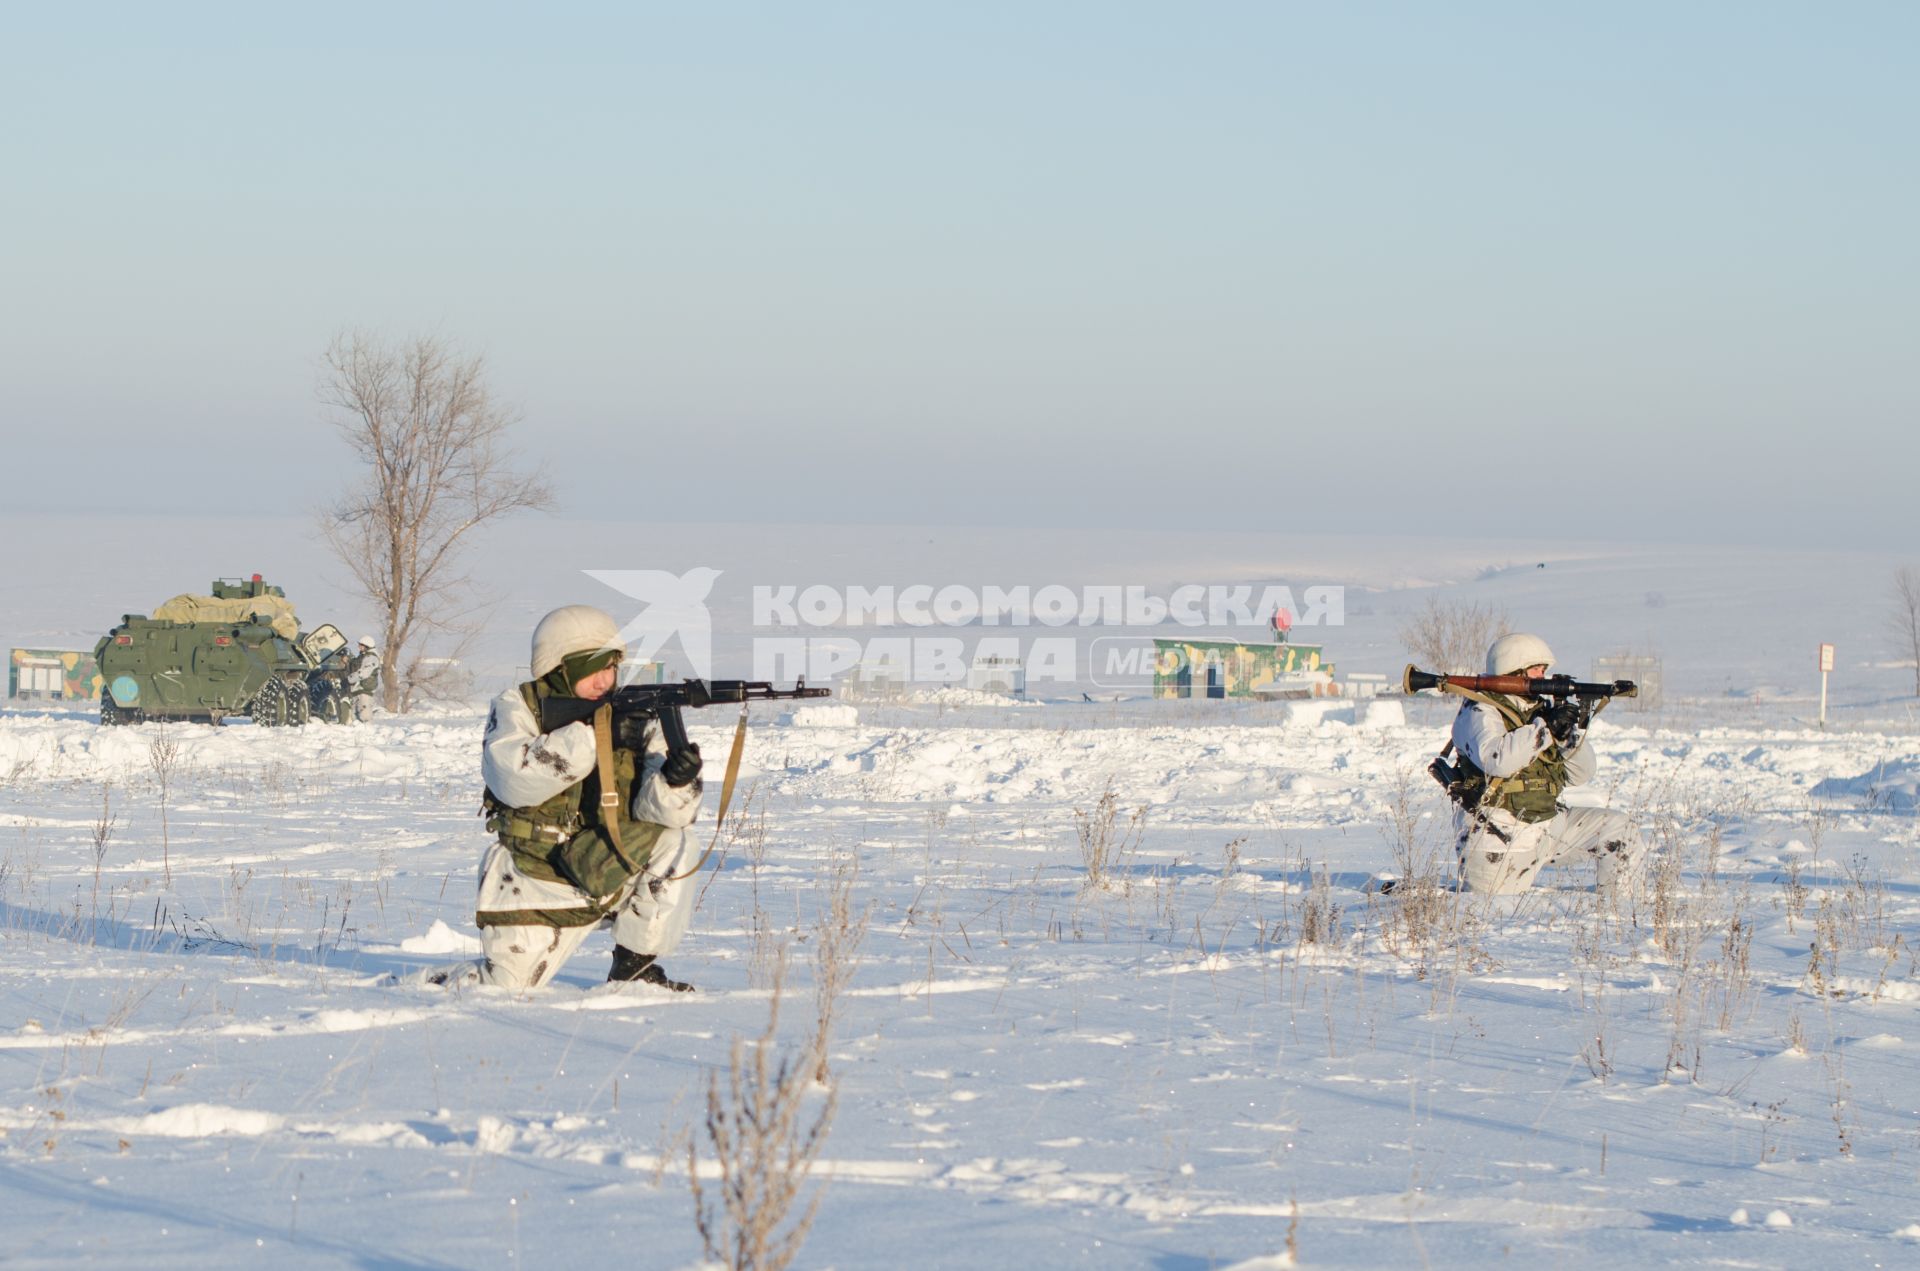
1826,664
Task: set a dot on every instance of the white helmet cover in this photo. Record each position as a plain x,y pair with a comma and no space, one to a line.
1517,652
368,642
571,629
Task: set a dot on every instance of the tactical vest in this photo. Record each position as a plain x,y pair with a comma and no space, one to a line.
368,683
1531,794
534,834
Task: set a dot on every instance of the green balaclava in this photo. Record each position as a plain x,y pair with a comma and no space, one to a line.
578,666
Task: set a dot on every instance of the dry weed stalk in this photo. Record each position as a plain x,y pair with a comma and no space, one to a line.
1841,1104
1733,986
1231,852
1674,923
1864,905
1319,916
1598,1054
1892,954
101,831
1404,815
1797,894
763,1145
1422,909
1685,1047
1771,1121
1106,847
747,829
163,756
836,953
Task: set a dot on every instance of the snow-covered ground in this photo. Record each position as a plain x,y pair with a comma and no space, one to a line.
215,1045
211,1051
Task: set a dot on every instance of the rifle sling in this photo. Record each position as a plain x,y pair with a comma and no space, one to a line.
610,809
726,793
1512,716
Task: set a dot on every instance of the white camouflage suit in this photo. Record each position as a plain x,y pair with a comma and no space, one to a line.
363,674
1487,864
524,768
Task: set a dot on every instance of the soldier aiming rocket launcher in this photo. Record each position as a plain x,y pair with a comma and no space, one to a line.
1558,688
1574,703
636,704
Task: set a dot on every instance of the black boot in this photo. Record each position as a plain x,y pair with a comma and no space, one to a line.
628,965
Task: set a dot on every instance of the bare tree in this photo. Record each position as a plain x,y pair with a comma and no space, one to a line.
1903,617
420,418
1452,636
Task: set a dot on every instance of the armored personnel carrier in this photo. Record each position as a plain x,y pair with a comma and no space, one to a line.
238,651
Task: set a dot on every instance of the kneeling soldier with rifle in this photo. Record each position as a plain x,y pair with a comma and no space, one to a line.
1519,740
590,790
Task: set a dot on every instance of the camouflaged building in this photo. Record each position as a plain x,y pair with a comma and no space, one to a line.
1235,668
53,675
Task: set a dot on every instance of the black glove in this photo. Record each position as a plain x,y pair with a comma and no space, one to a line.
630,732
681,765
1562,719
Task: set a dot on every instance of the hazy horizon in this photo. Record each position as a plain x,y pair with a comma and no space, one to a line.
1643,274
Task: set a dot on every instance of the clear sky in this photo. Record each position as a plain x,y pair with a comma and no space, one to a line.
1298,266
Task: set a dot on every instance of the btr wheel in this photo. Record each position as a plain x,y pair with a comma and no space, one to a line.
326,700
299,705
269,709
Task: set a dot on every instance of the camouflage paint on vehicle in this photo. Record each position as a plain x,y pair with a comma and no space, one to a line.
238,652
1230,668
78,675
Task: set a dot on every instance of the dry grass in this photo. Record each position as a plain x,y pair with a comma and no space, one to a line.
765,1128
163,757
838,935
101,832
1107,847
1319,915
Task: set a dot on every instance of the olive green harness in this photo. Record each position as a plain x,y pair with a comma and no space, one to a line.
584,837
1531,794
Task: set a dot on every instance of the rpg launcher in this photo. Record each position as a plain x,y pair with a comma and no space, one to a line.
636,704
1590,698
1559,688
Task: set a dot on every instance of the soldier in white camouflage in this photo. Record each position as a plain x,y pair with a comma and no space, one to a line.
1516,756
587,834
363,677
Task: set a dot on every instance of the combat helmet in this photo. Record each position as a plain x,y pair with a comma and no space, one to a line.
571,629
1517,652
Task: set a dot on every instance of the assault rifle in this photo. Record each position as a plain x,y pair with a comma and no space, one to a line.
1588,698
636,704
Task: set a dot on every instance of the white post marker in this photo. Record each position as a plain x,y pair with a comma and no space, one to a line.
1826,664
